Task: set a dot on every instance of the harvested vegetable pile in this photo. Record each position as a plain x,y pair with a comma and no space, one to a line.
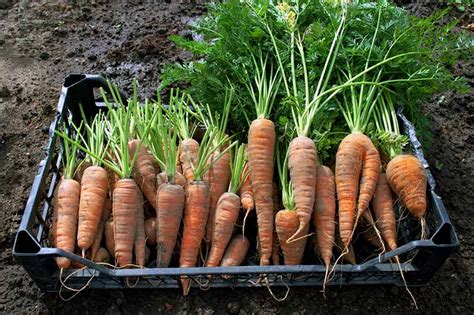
311,85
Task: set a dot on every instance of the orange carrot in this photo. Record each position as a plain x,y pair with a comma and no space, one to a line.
382,204
324,215
261,144
407,178
109,236
302,163
226,215
236,251
276,245
218,178
93,194
124,203
188,156
355,154
112,178
170,204
144,170
140,239
287,223
66,213
195,217
100,231
150,231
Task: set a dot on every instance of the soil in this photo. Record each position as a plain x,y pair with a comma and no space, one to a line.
42,42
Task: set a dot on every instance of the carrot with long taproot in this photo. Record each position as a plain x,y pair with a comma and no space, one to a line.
260,149
382,205
227,210
324,214
236,251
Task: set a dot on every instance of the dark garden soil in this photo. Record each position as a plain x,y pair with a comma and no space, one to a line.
41,42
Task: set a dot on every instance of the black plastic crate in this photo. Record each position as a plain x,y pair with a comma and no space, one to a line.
424,257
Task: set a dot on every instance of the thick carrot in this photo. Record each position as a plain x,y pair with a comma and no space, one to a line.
100,231
406,176
140,238
355,154
382,204
324,215
150,231
218,178
170,204
124,203
93,194
188,156
261,144
162,178
302,163
144,170
226,215
195,217
287,223
236,251
66,213
109,236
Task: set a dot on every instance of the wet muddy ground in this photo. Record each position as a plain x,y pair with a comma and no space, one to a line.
40,43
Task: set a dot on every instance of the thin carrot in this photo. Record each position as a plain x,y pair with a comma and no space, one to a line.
236,251
227,210
100,231
144,171
246,193
188,157
324,215
382,205
140,238
109,236
276,243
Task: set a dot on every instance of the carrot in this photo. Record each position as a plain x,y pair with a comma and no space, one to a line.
140,239
125,199
150,231
324,215
302,163
162,178
226,215
170,204
66,209
144,171
356,154
112,178
276,245
382,204
236,251
100,231
287,224
407,178
195,216
261,140
218,178
93,194
109,236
